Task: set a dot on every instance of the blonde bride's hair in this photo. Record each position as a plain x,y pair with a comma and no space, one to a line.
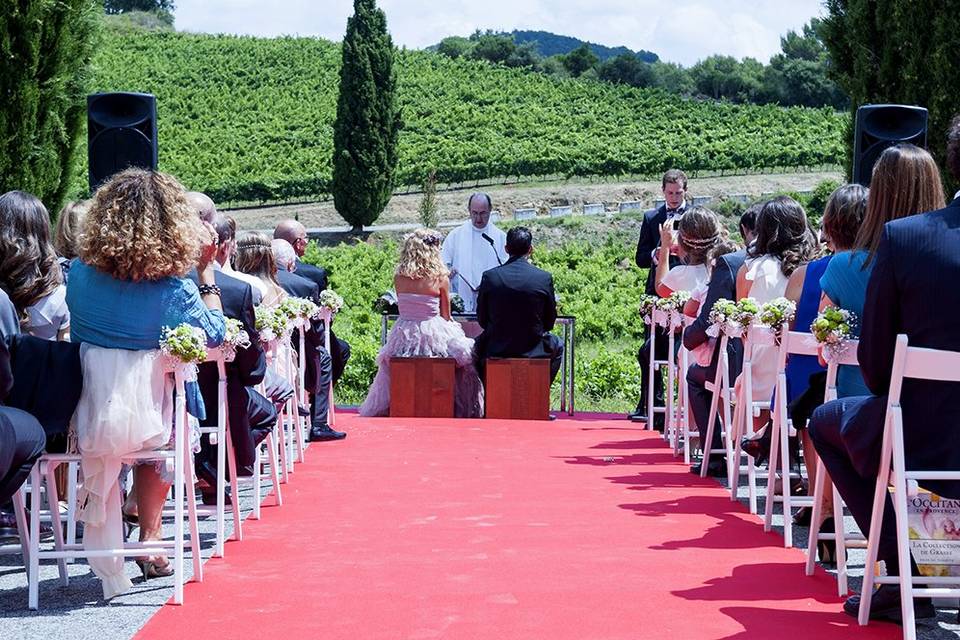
420,256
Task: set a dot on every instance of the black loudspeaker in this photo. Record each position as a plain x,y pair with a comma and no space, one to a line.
880,126
121,133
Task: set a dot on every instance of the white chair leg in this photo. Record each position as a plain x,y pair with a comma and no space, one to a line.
772,475
257,480
20,515
180,427
651,372
281,448
903,536
195,547
235,486
815,518
876,518
841,541
787,491
272,453
33,588
53,504
73,470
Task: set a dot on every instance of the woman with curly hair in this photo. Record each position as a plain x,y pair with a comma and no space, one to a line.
138,241
29,272
424,328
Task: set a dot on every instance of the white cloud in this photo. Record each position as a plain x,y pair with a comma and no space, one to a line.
682,31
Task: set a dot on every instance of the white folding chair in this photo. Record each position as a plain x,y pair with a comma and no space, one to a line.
918,364
821,483
327,316
746,410
226,460
182,459
722,391
653,368
270,446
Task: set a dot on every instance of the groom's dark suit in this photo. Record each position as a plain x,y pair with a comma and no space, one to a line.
906,294
516,307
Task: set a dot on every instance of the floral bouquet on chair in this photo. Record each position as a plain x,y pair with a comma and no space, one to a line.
776,314
329,299
722,319
833,329
648,305
236,338
273,323
745,314
672,308
183,348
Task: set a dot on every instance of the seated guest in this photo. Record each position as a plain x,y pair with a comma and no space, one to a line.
516,306
722,284
295,233
66,232
784,243
895,192
22,439
319,366
911,260
251,415
425,328
255,258
806,376
138,241
226,228
29,271
698,232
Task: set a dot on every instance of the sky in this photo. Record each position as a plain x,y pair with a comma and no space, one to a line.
681,31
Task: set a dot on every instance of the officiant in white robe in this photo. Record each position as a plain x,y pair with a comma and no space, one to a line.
467,253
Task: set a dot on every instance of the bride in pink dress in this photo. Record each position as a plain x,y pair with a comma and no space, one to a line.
424,328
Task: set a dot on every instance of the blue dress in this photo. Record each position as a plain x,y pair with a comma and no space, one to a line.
800,368
122,314
845,283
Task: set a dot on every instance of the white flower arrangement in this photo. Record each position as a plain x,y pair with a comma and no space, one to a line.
833,329
329,299
747,310
185,344
273,323
648,304
235,338
777,313
722,319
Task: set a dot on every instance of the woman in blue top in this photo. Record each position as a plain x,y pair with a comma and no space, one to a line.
138,240
844,283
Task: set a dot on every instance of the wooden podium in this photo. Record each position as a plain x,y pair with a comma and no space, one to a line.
422,387
518,388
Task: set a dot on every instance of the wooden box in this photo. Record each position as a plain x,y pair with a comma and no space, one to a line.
422,387
518,388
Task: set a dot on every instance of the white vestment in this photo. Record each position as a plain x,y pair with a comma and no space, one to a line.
466,252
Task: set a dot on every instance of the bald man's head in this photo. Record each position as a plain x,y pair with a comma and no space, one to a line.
294,233
203,205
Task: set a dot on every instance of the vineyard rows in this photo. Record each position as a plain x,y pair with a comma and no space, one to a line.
248,119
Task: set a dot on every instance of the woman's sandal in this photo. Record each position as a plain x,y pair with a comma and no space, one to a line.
151,569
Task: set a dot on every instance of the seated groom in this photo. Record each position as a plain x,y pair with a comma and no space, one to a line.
516,307
905,294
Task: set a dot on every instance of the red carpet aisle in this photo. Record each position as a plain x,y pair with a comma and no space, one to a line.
569,529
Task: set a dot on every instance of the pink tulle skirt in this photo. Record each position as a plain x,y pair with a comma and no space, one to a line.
432,338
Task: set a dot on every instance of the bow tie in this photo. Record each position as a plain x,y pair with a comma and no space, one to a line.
674,212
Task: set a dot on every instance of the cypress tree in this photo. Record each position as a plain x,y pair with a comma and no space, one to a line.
45,49
898,51
368,119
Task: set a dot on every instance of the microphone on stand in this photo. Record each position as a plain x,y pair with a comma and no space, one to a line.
495,252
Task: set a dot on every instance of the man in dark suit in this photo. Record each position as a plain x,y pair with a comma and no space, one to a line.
319,365
723,284
295,233
847,433
674,185
251,414
22,439
516,307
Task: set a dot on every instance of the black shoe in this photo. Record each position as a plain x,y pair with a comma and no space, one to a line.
324,432
827,549
638,415
209,498
757,448
715,469
885,605
802,517
304,411
206,472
